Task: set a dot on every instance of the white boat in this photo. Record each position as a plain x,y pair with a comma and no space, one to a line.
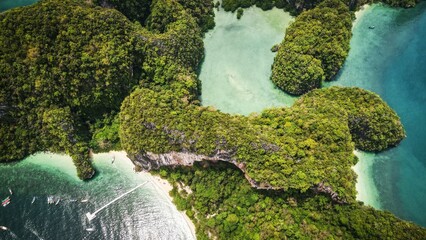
4,228
10,191
73,200
84,200
57,201
34,198
90,229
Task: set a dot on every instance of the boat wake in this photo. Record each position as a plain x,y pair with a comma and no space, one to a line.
3,228
33,231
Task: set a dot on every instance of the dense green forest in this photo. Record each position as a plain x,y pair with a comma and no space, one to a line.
222,204
76,75
314,48
142,11
284,148
62,65
297,6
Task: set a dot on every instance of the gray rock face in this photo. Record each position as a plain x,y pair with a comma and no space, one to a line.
148,161
322,188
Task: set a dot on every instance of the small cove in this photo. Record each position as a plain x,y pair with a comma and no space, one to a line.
237,66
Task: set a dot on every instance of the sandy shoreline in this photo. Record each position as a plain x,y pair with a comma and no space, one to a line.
360,13
366,189
161,185
166,187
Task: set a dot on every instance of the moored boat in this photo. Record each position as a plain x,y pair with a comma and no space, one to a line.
10,191
84,200
5,202
4,228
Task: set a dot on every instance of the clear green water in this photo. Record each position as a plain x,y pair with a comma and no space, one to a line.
8,4
390,60
237,66
144,214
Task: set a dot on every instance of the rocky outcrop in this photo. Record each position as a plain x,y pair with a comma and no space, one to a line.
322,188
148,161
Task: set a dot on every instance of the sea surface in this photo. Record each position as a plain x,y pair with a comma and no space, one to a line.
146,213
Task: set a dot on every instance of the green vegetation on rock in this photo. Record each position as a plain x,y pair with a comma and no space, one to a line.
314,48
62,64
285,148
79,61
297,6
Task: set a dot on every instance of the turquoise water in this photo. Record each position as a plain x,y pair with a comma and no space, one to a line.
237,66
390,60
8,4
143,214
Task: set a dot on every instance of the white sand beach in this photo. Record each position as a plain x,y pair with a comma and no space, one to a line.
160,184
365,187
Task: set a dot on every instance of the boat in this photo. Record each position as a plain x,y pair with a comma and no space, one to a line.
5,202
90,229
113,159
73,200
57,201
10,191
4,228
50,200
84,200
34,198
371,27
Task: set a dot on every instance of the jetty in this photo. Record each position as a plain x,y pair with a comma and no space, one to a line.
91,216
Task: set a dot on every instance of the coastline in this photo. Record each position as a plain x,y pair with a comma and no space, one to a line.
358,14
161,185
366,189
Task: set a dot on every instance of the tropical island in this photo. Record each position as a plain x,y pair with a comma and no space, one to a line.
78,75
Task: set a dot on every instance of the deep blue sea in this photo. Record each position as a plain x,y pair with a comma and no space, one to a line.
391,61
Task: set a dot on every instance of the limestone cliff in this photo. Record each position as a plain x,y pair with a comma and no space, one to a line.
148,161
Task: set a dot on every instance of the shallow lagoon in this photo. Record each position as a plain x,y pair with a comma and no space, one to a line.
237,66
